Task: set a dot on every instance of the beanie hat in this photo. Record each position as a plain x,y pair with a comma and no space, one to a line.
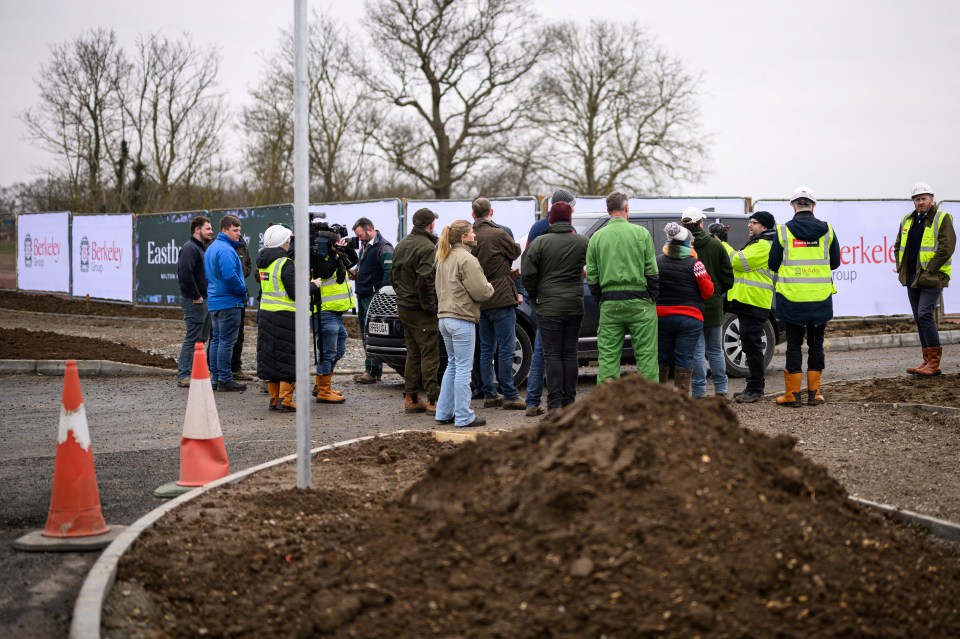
676,233
692,215
560,212
764,218
276,235
561,195
423,217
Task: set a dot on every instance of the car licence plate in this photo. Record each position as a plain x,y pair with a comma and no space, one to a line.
378,328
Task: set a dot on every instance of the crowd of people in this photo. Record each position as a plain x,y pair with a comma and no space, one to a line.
459,286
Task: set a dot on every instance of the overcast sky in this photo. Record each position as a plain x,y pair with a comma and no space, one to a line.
856,98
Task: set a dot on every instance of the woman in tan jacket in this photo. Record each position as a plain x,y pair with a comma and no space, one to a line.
461,286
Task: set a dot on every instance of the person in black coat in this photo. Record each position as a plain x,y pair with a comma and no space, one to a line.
193,294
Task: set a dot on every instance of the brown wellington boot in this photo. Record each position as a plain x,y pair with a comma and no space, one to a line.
325,394
791,396
814,398
664,374
413,404
926,355
274,389
286,403
681,380
932,367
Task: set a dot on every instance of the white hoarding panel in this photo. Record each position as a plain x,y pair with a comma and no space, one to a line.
517,214
721,205
866,281
385,215
43,261
102,256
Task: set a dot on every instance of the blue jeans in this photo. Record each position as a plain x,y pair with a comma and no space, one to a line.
535,378
677,340
709,346
459,338
498,335
226,327
331,339
197,319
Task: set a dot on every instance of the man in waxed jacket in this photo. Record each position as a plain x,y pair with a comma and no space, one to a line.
711,253
924,249
412,275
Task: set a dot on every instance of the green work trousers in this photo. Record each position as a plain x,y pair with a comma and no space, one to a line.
638,318
421,336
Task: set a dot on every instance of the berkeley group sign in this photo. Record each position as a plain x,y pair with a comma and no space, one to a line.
102,256
43,255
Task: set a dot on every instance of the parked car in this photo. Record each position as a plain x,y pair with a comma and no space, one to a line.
385,331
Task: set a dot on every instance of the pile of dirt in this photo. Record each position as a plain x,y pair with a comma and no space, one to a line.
19,343
943,390
79,306
635,513
849,328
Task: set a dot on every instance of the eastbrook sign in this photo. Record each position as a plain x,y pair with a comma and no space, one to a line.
165,254
867,281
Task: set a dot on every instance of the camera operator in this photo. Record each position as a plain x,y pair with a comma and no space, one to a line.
331,257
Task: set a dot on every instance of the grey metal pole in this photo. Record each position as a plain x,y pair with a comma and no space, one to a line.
301,198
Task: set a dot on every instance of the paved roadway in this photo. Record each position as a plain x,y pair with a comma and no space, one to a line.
135,424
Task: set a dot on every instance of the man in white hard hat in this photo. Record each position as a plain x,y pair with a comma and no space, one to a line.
924,249
804,254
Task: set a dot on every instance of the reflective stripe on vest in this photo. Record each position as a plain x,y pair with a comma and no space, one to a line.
273,296
754,286
928,243
804,275
334,296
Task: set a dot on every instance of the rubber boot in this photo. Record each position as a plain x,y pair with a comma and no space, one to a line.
681,380
791,396
412,403
286,403
932,367
664,374
316,388
926,356
325,394
814,398
274,389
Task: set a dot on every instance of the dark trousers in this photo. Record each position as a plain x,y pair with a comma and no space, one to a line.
815,356
236,361
923,302
370,365
751,341
559,336
421,335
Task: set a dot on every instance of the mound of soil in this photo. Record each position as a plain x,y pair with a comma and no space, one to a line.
849,328
18,343
634,513
943,390
78,306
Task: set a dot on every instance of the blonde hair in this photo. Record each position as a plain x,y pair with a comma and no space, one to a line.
451,234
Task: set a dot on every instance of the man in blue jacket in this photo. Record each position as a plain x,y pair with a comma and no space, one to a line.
227,295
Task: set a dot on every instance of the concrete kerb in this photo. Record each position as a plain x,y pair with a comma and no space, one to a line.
939,527
93,594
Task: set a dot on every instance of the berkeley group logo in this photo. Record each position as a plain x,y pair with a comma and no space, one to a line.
84,255
94,255
27,251
36,249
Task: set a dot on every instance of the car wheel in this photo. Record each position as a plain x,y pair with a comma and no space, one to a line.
733,354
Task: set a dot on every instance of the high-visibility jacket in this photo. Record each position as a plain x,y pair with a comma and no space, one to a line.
335,296
928,244
728,249
804,275
752,280
273,296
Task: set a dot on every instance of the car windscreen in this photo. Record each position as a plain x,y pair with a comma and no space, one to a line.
583,224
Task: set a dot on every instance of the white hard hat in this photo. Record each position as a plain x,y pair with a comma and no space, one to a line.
692,214
921,188
803,192
276,235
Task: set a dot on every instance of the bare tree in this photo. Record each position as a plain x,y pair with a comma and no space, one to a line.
78,118
453,67
615,111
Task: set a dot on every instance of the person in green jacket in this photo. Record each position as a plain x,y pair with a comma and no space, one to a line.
552,272
710,345
623,277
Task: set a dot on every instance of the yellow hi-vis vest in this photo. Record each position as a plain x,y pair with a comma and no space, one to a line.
752,280
928,244
334,296
273,297
804,275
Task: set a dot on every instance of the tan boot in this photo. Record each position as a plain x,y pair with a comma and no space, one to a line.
431,407
316,387
325,394
412,403
274,389
791,396
664,374
681,380
932,366
926,355
286,403
814,398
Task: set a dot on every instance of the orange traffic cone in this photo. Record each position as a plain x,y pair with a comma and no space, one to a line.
203,457
75,499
